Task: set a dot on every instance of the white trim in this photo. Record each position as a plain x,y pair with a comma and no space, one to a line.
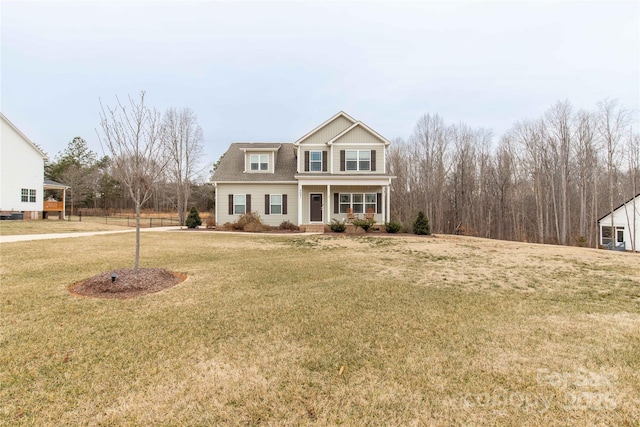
300,203
254,182
271,204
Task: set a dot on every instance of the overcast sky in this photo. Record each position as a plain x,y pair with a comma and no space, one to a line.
272,71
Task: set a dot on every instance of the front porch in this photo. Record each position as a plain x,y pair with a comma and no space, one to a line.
343,200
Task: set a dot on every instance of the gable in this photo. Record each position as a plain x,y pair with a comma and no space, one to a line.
11,133
327,130
359,133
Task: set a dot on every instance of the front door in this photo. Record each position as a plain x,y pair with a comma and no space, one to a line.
316,208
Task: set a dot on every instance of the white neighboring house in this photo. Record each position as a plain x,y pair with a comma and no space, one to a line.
22,182
625,234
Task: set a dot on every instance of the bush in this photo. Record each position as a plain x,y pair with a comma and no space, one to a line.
193,219
288,225
248,218
337,226
254,227
392,226
421,225
365,224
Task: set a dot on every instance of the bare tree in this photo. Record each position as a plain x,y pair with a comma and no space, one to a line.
132,134
613,121
183,144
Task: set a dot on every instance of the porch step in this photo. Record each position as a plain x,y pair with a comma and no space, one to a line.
312,228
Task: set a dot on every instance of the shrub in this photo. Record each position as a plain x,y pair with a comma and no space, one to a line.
365,224
392,226
421,225
248,218
193,219
229,226
288,225
253,227
337,226
211,222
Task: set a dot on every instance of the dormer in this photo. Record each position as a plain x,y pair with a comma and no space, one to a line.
260,159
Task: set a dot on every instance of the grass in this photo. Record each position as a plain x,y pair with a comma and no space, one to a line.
324,330
86,223
11,228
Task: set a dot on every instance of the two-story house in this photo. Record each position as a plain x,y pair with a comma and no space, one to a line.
335,170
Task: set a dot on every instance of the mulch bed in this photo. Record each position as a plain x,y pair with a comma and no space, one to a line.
127,283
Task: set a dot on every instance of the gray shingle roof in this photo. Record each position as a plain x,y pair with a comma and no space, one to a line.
231,167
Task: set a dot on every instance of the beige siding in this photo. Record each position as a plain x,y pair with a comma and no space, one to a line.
329,131
380,153
358,135
257,192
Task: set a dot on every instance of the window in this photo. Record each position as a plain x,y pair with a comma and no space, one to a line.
315,161
259,162
620,235
358,160
275,204
239,204
359,202
24,195
32,196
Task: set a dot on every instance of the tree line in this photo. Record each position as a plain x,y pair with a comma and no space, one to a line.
547,180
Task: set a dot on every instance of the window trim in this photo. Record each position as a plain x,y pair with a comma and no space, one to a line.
236,204
352,203
259,162
357,161
271,204
317,162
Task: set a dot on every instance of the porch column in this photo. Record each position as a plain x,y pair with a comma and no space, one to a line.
299,203
327,219
388,207
215,212
64,204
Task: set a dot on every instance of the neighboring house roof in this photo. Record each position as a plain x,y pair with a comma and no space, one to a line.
23,136
341,113
231,167
609,213
53,185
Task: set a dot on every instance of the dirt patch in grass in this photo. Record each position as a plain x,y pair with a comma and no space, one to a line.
127,284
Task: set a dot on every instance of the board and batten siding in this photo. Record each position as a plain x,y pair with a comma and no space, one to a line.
257,191
328,132
378,148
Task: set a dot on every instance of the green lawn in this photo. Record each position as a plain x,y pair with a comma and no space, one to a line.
322,330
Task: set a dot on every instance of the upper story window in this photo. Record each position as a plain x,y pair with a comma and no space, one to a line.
358,160
259,162
315,161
